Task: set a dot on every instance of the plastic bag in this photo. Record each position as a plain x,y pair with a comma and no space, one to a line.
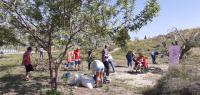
73,78
87,81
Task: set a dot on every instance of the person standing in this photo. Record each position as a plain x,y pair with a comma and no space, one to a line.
90,58
154,55
27,63
77,59
105,59
41,50
130,56
110,60
69,59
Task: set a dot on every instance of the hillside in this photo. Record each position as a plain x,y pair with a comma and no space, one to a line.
183,80
156,43
158,80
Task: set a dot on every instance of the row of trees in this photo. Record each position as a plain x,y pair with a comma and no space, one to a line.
74,22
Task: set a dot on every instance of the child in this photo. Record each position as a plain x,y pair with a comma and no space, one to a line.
97,68
145,62
69,61
77,58
27,62
139,62
130,56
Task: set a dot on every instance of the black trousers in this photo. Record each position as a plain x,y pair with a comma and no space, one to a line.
107,68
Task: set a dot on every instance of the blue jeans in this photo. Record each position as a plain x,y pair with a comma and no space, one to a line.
153,57
106,65
78,62
111,63
130,63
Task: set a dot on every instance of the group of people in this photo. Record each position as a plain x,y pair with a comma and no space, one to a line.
74,58
26,61
140,61
100,67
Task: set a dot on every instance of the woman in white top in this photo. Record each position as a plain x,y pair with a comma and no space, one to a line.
97,68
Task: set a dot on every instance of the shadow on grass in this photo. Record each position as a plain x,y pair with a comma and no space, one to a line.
121,66
6,67
133,72
15,84
154,70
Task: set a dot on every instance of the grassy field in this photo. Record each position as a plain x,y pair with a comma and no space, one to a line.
12,72
183,80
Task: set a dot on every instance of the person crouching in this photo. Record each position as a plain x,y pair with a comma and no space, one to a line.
139,62
97,68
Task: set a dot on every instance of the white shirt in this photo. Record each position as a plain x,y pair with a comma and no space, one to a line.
96,64
110,57
41,49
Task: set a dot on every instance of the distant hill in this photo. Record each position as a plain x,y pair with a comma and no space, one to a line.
157,41
186,33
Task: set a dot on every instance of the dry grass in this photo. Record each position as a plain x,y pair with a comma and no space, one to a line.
180,80
176,81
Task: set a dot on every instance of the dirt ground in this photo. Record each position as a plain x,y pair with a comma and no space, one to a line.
124,82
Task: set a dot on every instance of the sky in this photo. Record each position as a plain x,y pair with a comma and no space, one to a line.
182,14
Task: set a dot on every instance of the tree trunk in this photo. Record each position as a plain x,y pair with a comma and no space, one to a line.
56,75
50,67
53,70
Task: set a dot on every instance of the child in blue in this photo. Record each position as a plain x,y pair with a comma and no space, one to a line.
130,56
154,55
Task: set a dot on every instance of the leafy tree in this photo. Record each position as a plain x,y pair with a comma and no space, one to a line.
122,37
193,41
68,22
108,18
7,37
44,22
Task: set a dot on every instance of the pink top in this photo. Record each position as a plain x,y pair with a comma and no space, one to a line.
69,57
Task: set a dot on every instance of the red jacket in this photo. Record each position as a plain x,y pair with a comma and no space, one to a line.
77,54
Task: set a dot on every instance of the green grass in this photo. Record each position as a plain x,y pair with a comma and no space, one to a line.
119,55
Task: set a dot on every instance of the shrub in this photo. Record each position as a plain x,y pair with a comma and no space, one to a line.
180,80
